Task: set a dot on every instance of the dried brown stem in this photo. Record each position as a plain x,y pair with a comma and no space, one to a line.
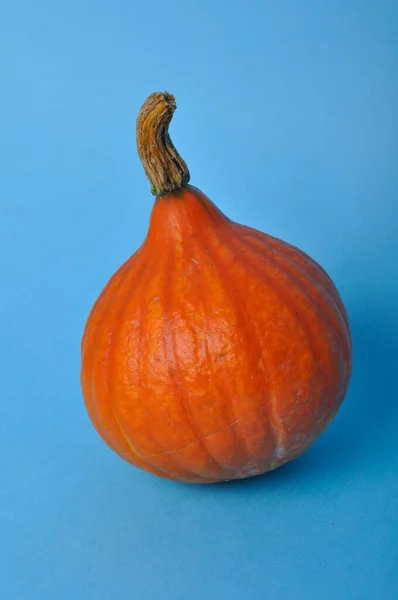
163,166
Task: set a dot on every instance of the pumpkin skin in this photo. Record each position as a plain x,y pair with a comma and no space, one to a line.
215,352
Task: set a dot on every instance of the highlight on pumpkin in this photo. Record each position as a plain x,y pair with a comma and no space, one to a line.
221,357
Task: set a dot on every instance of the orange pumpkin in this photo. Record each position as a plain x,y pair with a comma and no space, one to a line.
215,352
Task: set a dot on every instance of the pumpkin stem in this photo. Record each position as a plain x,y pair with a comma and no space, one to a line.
164,167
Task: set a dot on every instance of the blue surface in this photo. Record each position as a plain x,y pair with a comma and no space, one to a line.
287,116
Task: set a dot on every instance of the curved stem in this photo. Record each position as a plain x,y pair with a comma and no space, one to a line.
163,166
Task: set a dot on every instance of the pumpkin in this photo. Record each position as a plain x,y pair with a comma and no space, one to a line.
215,352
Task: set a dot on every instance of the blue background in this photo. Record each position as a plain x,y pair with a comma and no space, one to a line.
287,116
